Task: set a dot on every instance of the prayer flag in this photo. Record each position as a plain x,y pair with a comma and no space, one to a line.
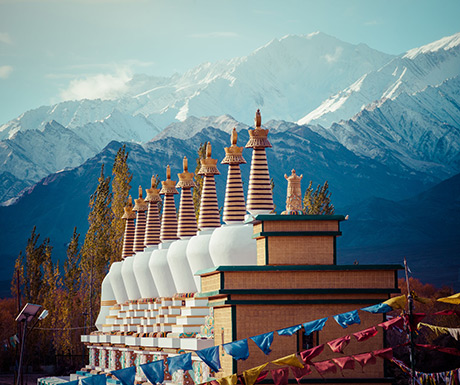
394,322
74,382
365,334
229,380
384,353
250,376
239,350
264,341
126,375
300,373
379,308
280,376
289,331
324,367
454,299
344,362
94,380
365,359
349,318
211,357
290,360
397,302
339,344
154,371
308,355
182,361
314,326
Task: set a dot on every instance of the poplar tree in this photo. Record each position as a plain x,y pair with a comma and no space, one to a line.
318,202
198,180
97,247
121,179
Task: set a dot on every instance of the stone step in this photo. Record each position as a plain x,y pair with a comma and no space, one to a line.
186,328
200,310
190,320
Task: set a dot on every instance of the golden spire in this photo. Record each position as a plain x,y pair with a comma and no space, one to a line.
233,154
185,178
153,194
140,202
208,165
168,186
129,214
294,194
258,136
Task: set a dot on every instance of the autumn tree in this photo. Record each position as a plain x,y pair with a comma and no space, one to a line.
318,201
198,180
97,246
121,179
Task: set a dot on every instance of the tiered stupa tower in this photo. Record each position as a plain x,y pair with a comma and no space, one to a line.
128,238
140,208
187,218
260,197
169,219
158,263
234,206
177,253
152,231
209,209
294,194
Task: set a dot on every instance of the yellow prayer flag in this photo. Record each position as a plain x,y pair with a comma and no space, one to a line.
423,300
229,380
397,302
453,299
290,360
250,376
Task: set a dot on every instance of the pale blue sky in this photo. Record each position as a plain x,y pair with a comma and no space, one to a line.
49,48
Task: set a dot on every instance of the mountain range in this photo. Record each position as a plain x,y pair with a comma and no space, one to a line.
380,128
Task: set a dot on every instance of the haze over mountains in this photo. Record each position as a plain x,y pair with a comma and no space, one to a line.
374,125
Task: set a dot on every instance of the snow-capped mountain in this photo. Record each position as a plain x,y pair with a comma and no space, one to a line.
418,68
421,130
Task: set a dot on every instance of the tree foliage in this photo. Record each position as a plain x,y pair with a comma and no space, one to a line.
318,201
97,247
198,180
121,179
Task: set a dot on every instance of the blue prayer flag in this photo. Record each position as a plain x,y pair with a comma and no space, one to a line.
349,318
182,361
211,357
74,382
94,380
289,331
126,375
379,308
314,326
239,350
154,371
264,341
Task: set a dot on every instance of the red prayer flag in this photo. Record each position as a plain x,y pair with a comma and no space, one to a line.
452,351
397,321
338,344
324,367
300,373
280,376
365,358
448,312
384,353
308,355
416,318
262,376
344,362
364,335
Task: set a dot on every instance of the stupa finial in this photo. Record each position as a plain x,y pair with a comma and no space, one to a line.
258,119
140,191
234,136
208,150
294,194
185,164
